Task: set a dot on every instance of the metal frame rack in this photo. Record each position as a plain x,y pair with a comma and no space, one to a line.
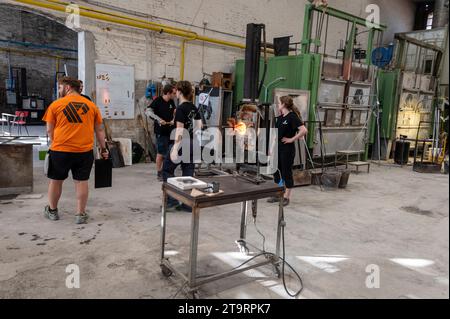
345,90
349,80
408,90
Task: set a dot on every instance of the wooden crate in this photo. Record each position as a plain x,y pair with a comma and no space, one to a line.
302,178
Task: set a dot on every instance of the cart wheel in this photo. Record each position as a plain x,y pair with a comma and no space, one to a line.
166,271
276,270
242,245
244,250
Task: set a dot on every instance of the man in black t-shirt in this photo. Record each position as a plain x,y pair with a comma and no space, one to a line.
162,110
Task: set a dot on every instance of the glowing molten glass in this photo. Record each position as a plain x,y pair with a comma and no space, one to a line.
240,128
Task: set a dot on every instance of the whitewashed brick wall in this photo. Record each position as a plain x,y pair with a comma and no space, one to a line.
155,55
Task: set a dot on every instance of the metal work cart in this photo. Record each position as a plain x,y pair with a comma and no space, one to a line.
235,190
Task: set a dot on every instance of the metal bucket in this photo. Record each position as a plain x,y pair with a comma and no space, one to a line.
427,168
316,179
331,179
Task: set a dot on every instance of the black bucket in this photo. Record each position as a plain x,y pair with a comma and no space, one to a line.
345,176
401,156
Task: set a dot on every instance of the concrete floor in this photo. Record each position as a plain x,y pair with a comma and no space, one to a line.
392,218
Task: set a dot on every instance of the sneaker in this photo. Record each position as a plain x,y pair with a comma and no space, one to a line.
273,200
81,219
51,214
160,177
286,202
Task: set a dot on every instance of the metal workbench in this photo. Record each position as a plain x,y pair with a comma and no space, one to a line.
235,190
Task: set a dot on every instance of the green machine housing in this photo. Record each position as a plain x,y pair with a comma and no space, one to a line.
299,72
340,88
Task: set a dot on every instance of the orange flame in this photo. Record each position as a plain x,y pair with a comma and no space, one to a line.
240,128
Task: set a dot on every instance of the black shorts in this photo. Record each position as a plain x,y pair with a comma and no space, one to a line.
60,163
163,143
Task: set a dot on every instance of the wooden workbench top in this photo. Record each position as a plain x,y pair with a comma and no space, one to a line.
234,189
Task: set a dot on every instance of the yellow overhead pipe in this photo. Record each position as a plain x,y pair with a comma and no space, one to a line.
121,16
182,58
129,21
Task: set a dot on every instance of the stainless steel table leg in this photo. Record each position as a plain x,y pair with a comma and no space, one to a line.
241,243
244,211
163,224
192,275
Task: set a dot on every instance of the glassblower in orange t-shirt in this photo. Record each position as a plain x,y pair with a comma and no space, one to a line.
72,122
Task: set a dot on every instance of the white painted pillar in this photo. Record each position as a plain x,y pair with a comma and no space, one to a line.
86,62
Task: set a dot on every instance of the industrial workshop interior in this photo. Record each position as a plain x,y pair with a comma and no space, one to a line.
224,150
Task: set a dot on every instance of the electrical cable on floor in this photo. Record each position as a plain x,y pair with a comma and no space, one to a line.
235,268
271,255
283,274
296,294
283,225
261,234
179,290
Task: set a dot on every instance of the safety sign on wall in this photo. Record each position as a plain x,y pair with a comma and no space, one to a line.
115,91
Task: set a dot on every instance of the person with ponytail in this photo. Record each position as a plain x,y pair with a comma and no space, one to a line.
187,118
290,129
